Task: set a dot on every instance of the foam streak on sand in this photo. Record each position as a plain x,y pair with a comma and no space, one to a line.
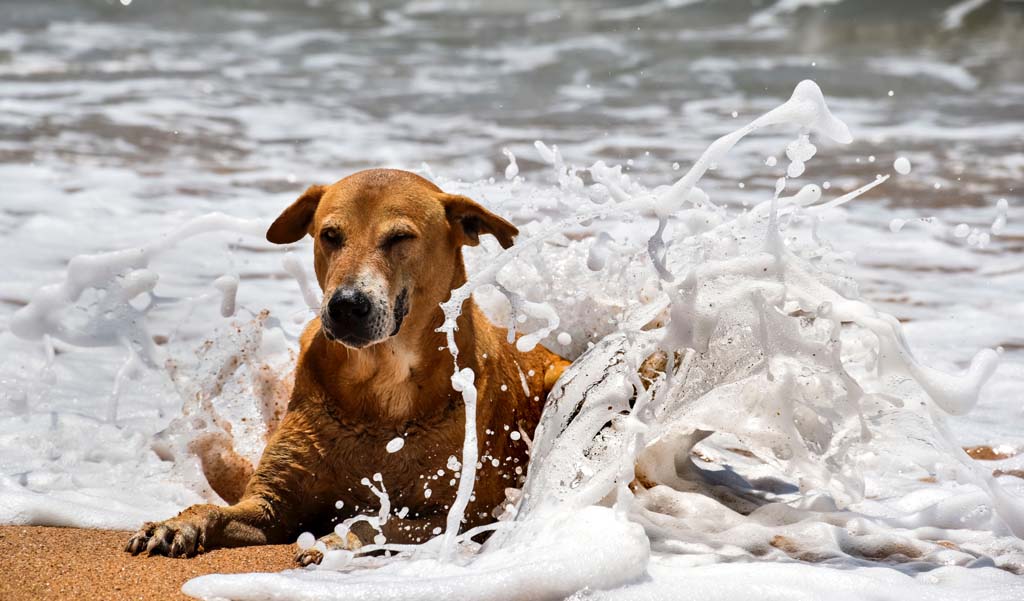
740,333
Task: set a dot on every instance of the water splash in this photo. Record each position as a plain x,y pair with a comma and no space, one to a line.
731,337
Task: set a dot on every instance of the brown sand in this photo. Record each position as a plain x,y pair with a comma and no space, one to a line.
68,563
987,453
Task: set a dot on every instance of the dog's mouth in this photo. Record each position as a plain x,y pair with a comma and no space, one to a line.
349,339
370,330
401,310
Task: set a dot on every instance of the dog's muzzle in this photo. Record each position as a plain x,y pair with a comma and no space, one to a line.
357,319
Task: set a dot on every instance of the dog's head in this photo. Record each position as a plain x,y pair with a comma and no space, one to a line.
384,242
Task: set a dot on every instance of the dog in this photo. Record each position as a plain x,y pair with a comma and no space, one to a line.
373,367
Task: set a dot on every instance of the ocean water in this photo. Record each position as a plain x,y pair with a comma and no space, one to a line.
123,124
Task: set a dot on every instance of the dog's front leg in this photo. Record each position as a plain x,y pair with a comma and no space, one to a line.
272,508
203,527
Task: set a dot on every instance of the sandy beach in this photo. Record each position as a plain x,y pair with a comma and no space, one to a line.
69,563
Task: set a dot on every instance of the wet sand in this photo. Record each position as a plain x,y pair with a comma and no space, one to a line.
68,563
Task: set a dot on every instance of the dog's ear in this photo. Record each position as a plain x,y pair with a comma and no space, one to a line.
292,224
469,219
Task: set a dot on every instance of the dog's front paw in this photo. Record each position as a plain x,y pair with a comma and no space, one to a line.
177,537
331,542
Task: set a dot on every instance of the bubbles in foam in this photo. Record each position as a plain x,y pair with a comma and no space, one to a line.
999,224
599,252
228,287
306,540
512,170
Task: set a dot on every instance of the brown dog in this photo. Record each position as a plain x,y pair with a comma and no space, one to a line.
372,367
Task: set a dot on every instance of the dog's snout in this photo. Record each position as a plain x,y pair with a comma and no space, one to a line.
349,303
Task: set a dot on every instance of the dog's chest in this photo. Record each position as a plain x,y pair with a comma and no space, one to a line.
387,389
418,467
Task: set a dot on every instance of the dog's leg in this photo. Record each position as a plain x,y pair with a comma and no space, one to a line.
203,527
275,501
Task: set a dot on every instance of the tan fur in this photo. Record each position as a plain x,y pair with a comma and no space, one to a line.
348,403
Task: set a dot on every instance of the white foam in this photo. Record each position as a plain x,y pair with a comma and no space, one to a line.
616,553
306,540
953,17
513,168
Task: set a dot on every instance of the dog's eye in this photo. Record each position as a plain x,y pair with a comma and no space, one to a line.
393,239
331,237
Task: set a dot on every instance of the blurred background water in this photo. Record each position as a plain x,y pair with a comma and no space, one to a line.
118,121
279,88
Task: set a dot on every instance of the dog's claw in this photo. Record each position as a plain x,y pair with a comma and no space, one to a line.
138,540
173,539
135,544
177,547
156,541
185,542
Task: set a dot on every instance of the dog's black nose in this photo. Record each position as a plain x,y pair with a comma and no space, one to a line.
348,303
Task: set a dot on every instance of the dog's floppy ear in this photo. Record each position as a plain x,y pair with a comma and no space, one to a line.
468,220
292,224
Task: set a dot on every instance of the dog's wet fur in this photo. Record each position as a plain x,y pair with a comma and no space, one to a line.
372,367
